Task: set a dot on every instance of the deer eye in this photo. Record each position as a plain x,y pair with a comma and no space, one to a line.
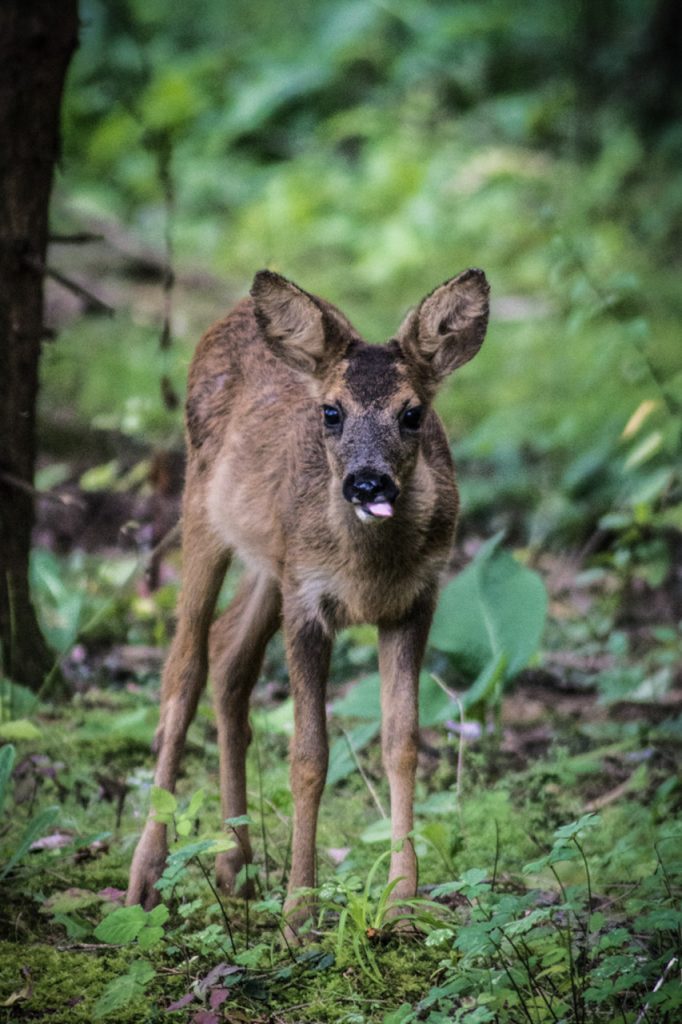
332,416
412,418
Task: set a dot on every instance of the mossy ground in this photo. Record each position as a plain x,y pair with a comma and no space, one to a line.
92,759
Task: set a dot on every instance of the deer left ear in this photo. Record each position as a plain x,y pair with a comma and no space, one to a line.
295,325
447,329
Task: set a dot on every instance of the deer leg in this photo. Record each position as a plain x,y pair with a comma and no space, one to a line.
308,653
184,676
401,648
238,641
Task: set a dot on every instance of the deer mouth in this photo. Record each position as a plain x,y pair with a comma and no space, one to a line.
378,509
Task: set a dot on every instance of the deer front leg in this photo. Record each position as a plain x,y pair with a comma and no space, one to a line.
308,653
401,648
238,641
184,677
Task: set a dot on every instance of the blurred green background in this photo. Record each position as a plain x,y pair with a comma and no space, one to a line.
369,150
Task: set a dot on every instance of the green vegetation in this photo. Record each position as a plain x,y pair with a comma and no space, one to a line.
370,150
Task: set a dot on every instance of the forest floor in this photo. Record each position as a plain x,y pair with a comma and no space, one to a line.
488,802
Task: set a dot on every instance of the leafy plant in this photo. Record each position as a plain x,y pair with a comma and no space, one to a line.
489,622
122,991
366,916
534,956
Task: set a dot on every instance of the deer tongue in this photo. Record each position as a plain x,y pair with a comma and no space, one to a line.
382,509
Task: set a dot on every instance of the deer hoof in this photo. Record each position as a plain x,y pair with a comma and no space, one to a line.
147,867
227,869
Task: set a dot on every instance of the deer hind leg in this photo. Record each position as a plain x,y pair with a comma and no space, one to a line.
401,648
238,641
308,653
184,676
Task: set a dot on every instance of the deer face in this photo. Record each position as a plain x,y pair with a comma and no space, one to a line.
372,399
372,415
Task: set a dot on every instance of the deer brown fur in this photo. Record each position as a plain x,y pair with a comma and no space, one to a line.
319,461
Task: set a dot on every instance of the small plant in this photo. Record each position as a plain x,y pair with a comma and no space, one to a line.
367,916
531,956
146,929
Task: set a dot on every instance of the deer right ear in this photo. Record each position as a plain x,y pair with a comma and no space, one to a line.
294,324
448,327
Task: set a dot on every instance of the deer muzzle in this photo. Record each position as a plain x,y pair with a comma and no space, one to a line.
372,494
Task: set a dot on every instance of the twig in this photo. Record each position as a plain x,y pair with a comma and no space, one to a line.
27,488
372,791
220,903
167,541
261,803
71,285
460,749
668,968
85,947
609,798
77,238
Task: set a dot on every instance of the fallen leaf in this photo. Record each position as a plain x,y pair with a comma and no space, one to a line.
180,1004
218,997
52,842
112,895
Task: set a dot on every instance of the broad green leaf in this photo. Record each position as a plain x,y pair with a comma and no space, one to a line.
170,100
458,625
490,680
496,607
163,803
16,701
122,925
19,729
77,928
159,915
435,706
378,832
362,700
69,900
574,828
341,760
196,803
149,937
220,844
123,990
240,819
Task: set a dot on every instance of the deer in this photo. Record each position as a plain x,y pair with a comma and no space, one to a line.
317,459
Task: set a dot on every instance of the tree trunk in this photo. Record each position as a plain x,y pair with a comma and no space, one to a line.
37,39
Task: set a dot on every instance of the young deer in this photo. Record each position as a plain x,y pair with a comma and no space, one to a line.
318,459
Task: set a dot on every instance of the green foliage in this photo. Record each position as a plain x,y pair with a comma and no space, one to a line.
527,956
128,924
124,990
342,144
364,911
37,825
493,612
81,597
489,621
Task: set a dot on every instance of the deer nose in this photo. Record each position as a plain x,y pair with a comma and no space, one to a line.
368,486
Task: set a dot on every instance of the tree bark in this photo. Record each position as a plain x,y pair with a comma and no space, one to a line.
37,39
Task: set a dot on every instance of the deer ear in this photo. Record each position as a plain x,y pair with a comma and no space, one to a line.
447,329
294,324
